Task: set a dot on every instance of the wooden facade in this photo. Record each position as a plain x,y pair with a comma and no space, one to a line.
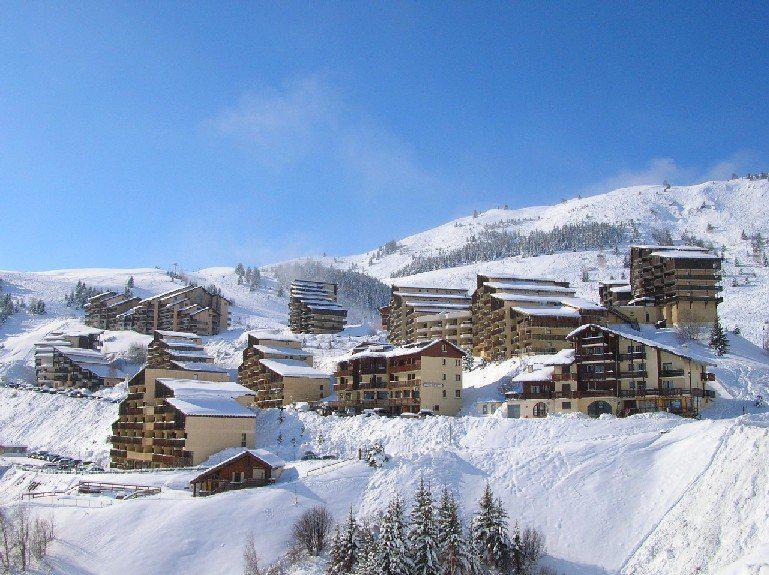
239,472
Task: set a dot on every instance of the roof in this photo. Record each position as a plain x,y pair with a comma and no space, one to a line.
432,295
78,354
273,336
531,287
662,338
177,334
661,247
407,349
194,397
200,366
225,458
516,277
621,289
281,350
293,368
103,371
550,311
541,374
686,254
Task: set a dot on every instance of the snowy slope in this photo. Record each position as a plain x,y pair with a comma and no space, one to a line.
610,495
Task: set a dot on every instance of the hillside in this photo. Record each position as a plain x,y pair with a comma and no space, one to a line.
642,495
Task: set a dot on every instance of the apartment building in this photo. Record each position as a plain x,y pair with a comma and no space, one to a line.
187,309
422,312
71,359
179,350
615,369
515,315
384,314
416,377
313,308
682,282
280,372
168,420
101,310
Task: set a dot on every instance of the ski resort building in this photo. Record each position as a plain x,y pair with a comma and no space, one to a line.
280,372
420,313
101,310
514,315
247,468
179,350
177,418
71,359
615,369
191,309
681,282
614,293
415,377
313,308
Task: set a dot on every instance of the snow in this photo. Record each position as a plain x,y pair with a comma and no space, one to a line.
646,495
207,399
293,368
679,254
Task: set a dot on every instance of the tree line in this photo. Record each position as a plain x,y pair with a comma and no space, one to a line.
430,540
493,244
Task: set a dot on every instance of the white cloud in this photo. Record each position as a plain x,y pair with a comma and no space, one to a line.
309,118
658,170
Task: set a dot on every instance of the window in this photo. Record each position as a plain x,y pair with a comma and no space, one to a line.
485,409
436,408
566,387
443,347
457,377
457,393
534,389
456,363
242,439
444,393
444,361
321,389
444,377
566,405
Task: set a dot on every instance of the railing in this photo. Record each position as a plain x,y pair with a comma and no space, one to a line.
671,372
632,374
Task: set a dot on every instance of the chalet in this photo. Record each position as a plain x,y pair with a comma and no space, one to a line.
415,377
424,312
618,370
515,315
280,372
246,468
313,308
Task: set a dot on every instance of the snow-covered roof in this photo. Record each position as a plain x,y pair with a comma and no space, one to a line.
563,357
200,366
281,350
193,353
550,311
407,349
273,336
194,397
80,354
293,368
226,455
103,371
177,334
425,295
517,278
541,374
182,344
621,289
662,338
682,247
687,254
531,287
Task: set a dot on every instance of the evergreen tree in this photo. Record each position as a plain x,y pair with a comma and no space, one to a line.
335,554
240,271
453,552
393,559
718,340
517,562
368,553
348,550
423,545
490,532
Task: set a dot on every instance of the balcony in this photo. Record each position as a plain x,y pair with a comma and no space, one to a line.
671,372
632,374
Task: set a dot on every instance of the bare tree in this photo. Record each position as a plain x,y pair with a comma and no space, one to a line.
250,558
22,531
6,540
43,534
136,353
312,528
532,549
687,331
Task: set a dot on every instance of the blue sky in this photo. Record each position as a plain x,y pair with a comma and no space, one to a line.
142,134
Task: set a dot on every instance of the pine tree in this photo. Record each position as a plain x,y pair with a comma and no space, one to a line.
393,559
240,271
423,545
718,340
490,532
335,554
453,552
517,563
368,553
348,549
